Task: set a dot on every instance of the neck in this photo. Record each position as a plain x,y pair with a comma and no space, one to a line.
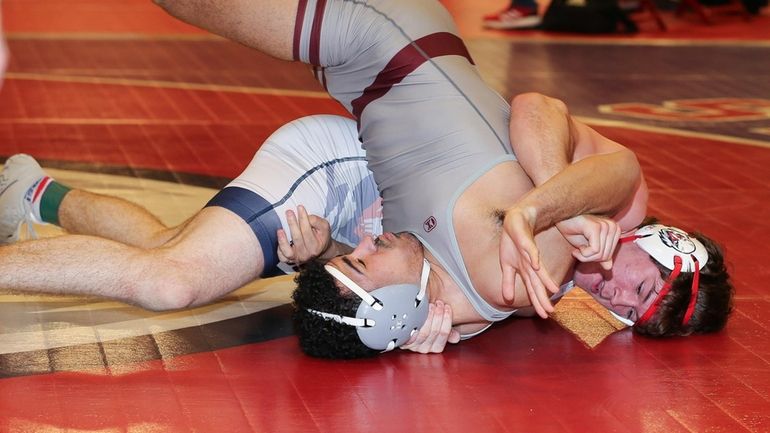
441,287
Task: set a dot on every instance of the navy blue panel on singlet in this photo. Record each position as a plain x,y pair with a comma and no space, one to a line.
260,215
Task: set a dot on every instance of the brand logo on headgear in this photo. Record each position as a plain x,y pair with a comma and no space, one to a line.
677,240
429,224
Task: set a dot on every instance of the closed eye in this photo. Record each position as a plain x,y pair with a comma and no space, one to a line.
349,262
649,293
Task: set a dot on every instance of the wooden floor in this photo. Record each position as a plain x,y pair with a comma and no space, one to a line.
116,97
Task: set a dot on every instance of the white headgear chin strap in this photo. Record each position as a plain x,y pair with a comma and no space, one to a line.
621,319
352,321
355,288
369,299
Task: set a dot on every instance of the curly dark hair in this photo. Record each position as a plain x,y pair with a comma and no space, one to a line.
713,305
320,337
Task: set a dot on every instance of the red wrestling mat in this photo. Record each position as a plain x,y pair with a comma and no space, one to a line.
515,375
186,110
526,374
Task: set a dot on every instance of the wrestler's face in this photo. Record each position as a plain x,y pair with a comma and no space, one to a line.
378,262
629,288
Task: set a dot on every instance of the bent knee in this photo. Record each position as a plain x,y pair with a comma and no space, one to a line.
171,285
165,293
537,101
172,7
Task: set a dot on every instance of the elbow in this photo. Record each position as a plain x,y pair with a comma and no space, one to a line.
631,162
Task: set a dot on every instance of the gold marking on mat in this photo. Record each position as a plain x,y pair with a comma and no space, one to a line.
166,85
764,131
585,318
672,131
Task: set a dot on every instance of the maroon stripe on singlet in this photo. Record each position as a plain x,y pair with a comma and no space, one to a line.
298,27
315,33
406,61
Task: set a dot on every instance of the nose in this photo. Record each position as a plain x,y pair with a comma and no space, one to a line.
623,298
365,247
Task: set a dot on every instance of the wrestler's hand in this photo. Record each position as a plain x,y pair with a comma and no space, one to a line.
594,238
436,332
310,234
520,256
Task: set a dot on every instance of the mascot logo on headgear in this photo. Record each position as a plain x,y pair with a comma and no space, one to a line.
676,239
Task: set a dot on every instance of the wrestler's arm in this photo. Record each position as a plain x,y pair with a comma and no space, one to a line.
576,171
310,239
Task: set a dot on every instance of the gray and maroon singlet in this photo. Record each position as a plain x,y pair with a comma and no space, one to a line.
429,124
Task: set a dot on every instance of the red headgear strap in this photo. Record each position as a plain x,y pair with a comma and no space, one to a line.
693,293
663,291
667,287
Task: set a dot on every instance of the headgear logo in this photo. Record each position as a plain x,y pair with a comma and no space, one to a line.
677,240
429,224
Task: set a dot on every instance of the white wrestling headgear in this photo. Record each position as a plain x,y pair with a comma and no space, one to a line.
676,250
387,317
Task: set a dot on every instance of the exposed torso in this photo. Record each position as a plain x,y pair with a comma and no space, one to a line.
478,224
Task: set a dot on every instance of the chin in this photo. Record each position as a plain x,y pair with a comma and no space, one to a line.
585,275
580,281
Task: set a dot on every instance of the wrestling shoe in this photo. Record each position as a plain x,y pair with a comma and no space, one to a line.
516,17
20,173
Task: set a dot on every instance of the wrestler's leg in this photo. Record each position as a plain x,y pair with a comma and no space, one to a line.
267,25
215,253
28,193
218,250
88,213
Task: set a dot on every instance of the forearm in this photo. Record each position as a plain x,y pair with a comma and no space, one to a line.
602,185
541,135
335,249
574,169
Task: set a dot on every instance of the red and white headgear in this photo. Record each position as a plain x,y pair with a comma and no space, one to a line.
676,250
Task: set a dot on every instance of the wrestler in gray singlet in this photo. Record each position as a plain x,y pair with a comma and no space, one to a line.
429,124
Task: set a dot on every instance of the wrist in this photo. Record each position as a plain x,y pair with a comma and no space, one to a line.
526,211
333,250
